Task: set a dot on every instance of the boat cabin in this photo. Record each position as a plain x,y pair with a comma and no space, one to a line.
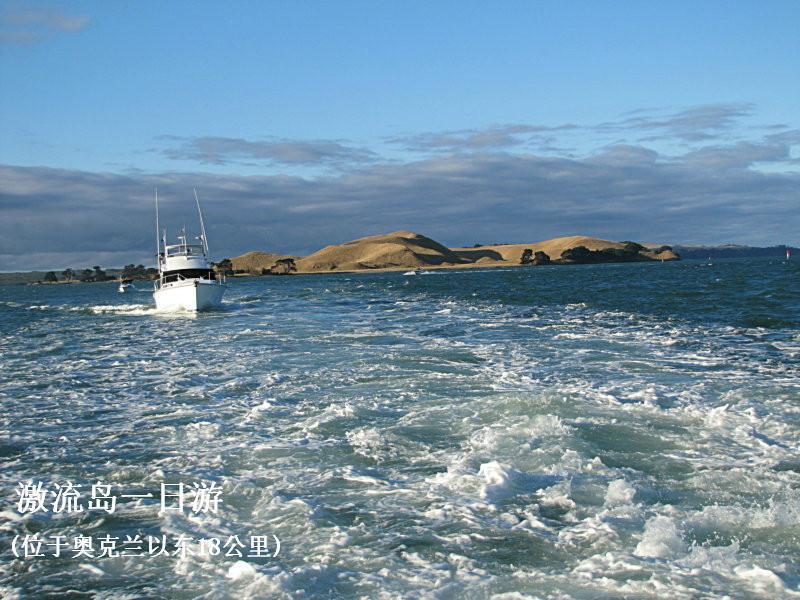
185,261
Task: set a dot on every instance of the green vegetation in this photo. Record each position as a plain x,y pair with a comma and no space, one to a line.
93,274
138,272
581,254
541,258
283,266
576,254
87,275
529,257
224,267
633,246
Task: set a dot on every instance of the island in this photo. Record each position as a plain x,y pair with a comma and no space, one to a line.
404,250
396,251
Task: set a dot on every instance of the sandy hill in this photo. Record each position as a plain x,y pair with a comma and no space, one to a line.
511,253
401,249
255,262
665,255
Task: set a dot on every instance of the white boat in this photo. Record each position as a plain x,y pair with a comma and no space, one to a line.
186,280
124,286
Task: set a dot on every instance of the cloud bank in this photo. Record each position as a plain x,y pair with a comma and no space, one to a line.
53,218
704,123
225,150
699,123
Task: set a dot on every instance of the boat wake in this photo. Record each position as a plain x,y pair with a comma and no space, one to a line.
516,433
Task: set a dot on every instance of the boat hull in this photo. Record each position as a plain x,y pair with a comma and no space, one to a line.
190,295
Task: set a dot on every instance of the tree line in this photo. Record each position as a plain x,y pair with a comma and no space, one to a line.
96,273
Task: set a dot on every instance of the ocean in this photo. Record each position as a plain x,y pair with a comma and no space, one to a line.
597,431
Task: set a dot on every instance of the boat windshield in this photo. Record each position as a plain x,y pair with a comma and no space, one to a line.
185,250
189,274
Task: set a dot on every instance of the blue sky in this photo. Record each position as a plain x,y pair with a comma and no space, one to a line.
360,109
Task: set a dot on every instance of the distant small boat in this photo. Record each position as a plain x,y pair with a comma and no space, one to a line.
124,286
414,272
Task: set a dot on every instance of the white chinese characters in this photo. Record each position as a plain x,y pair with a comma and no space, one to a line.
66,498
109,546
69,498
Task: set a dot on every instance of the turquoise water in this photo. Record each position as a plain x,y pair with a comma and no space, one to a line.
596,431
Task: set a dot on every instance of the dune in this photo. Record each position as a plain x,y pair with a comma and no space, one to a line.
397,250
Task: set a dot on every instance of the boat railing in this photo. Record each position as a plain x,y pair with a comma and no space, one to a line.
171,278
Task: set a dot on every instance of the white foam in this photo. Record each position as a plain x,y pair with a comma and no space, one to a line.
661,539
241,570
497,479
558,496
371,443
256,411
762,581
619,492
330,413
97,571
345,444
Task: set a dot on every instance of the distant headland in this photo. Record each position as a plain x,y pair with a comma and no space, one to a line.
403,250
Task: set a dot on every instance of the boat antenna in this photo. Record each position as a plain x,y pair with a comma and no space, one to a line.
158,234
202,226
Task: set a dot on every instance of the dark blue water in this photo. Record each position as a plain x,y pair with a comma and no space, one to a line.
586,431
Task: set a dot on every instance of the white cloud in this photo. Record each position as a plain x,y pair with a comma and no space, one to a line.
225,150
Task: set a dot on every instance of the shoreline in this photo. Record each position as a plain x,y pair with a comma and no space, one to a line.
457,267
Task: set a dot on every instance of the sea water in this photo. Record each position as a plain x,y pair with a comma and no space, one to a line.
600,431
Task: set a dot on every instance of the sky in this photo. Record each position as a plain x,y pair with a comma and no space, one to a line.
303,124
